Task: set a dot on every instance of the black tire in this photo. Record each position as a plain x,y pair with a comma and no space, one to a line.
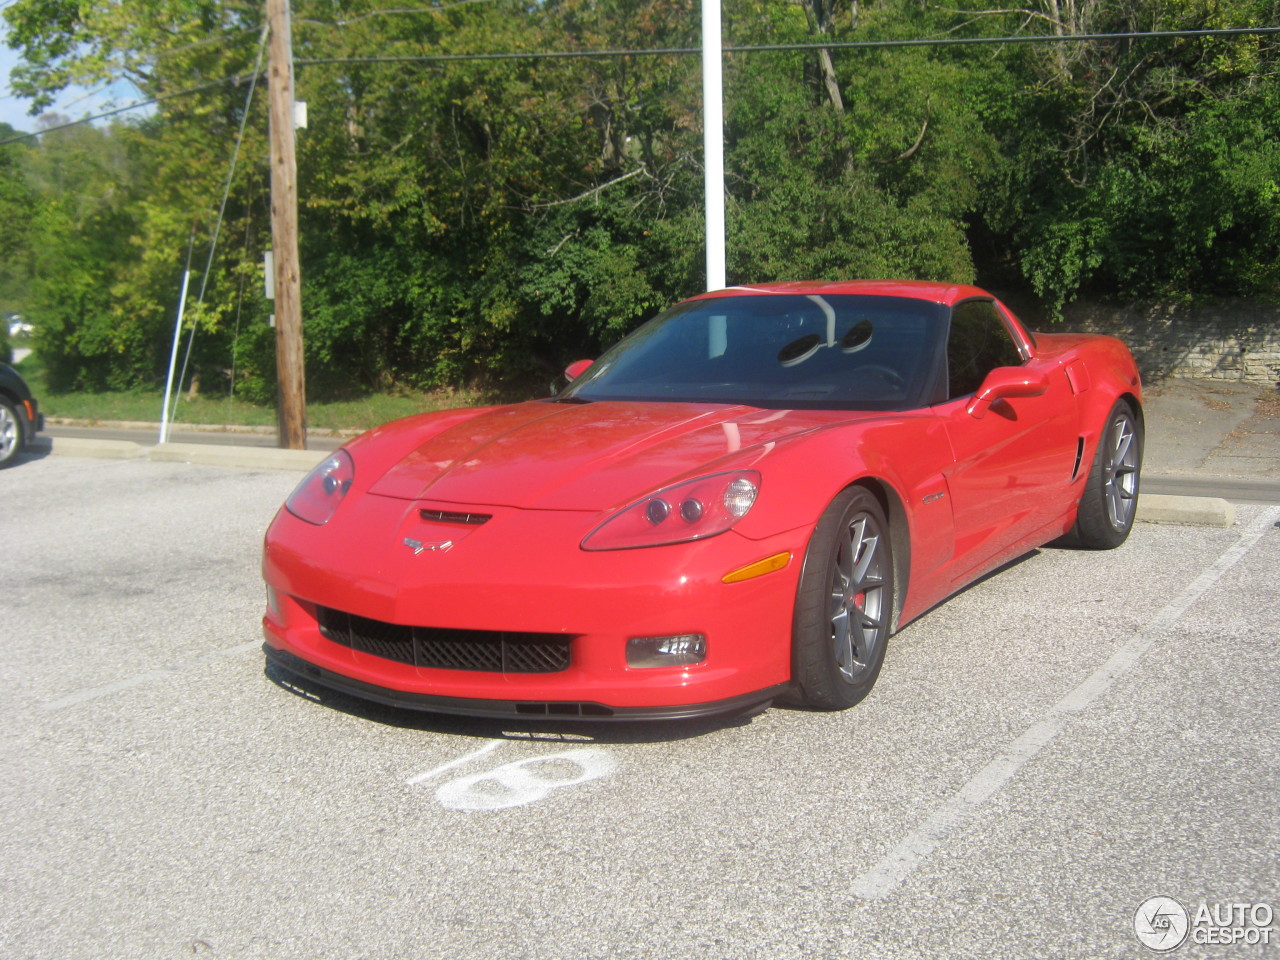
11,438
1105,515
844,605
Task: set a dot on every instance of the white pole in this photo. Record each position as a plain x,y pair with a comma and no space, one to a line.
173,357
713,142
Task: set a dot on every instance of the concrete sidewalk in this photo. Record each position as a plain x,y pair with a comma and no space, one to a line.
1222,436
1211,428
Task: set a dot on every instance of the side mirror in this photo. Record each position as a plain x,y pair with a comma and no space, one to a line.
576,369
1004,382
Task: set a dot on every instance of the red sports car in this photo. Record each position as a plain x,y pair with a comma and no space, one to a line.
737,504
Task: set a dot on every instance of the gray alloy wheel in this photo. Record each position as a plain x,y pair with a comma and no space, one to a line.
10,434
1110,499
1120,471
844,604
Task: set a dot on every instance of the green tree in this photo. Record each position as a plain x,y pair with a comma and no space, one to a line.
16,207
1142,168
118,208
491,220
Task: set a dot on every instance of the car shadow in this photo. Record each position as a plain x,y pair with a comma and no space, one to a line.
515,728
1007,565
1068,541
33,450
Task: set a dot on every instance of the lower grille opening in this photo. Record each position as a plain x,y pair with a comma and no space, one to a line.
482,650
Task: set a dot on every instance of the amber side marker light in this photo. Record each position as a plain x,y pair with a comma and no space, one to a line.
758,569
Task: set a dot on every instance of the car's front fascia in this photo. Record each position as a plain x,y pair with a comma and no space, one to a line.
523,572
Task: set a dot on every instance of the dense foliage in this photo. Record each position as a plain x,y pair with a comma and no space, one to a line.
495,219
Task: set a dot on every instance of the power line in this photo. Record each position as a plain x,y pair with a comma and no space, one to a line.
223,38
240,79
235,80
783,47
435,9
222,209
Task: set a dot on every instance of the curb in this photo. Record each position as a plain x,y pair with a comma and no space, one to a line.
250,458
253,458
1152,507
231,428
98,449
1199,511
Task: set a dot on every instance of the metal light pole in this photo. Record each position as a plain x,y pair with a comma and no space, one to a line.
713,142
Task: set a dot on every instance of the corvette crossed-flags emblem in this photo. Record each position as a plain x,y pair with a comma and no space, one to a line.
442,546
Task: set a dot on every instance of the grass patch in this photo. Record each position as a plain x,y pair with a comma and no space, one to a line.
145,406
368,412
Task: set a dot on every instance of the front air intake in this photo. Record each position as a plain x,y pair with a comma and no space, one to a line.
487,651
455,516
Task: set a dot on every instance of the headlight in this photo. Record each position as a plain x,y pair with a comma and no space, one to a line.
319,494
693,510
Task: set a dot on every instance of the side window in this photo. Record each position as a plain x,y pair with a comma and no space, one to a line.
979,341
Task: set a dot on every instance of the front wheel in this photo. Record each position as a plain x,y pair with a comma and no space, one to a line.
10,434
844,605
1110,500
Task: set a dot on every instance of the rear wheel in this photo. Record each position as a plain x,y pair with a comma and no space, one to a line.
1110,500
10,434
844,604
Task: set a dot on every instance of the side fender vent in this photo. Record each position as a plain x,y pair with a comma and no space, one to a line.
1075,471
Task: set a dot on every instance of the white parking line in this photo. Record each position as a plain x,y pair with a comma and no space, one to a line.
93,693
900,862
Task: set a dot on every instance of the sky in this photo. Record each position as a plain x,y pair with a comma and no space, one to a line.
74,102
12,110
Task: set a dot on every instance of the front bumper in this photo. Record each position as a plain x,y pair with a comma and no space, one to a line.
32,418
523,572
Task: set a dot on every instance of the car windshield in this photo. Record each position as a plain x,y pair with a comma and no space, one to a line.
828,351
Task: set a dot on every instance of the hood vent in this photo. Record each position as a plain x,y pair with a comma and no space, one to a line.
455,516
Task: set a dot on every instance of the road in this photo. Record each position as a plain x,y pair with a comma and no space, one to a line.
1243,490
1044,752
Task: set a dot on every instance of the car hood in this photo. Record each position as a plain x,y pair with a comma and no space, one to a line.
556,456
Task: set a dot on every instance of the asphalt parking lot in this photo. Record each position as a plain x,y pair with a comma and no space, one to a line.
1042,754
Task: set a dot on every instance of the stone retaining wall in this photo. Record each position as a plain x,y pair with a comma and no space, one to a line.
1226,341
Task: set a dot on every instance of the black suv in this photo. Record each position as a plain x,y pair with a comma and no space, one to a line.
20,416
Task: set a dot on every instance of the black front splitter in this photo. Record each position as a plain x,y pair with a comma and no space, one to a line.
517,709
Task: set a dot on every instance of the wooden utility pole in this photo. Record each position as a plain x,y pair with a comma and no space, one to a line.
284,232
